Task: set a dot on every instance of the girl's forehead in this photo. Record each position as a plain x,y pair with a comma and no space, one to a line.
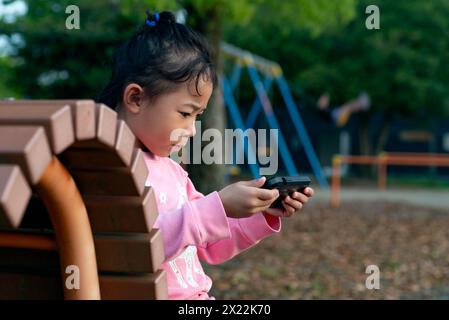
202,87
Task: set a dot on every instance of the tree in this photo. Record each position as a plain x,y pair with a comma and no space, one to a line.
403,65
212,18
7,90
53,62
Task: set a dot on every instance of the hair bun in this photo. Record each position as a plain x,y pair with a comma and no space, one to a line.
167,17
155,19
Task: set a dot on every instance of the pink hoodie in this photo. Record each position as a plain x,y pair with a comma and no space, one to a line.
196,227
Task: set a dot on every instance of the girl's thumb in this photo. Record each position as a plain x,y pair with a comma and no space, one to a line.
261,181
257,182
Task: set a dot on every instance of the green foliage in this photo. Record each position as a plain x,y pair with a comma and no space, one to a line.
6,69
403,65
237,12
321,45
56,62
315,16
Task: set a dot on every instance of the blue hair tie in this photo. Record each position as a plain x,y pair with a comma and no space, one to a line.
152,23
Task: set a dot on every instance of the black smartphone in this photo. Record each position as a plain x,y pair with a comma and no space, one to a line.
286,186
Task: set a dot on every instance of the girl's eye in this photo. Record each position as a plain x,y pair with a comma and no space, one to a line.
199,115
185,114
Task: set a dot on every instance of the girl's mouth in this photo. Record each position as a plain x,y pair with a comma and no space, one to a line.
176,147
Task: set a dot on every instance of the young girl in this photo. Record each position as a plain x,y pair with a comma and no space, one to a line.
162,79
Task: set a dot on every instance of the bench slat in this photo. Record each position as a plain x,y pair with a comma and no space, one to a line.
139,287
48,286
122,213
90,158
26,146
114,181
106,129
113,214
83,113
137,252
56,120
14,196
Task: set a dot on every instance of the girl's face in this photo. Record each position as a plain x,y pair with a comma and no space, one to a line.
165,125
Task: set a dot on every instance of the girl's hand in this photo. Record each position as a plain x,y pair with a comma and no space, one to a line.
245,198
292,204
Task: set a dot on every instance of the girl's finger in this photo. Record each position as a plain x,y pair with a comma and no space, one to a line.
265,194
309,192
289,210
275,212
300,197
293,203
261,206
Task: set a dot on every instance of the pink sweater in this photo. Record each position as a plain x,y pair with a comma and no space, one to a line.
196,227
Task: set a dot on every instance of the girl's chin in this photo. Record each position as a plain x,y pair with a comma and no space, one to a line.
166,150
175,148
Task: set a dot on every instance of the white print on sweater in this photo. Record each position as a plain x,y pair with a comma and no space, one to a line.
162,198
182,195
188,259
187,256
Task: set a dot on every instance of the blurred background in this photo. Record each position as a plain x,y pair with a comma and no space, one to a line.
346,98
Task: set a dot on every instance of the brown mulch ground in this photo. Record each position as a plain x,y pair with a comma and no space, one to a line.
323,253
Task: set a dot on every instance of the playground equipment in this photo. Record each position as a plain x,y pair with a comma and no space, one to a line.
382,161
76,219
273,73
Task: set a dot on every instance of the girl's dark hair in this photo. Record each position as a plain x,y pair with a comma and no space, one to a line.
161,55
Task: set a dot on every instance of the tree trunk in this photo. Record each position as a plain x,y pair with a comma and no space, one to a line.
383,134
365,144
208,178
367,147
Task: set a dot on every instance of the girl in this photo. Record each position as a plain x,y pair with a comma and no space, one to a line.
162,79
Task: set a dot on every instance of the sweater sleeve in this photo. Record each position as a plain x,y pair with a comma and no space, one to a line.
201,220
241,234
245,233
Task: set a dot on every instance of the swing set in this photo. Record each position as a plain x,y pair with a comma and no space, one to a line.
272,73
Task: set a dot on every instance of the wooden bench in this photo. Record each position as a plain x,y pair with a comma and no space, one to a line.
73,202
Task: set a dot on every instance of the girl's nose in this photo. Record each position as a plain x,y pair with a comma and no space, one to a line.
192,130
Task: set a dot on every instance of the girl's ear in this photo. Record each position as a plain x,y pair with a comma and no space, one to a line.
133,96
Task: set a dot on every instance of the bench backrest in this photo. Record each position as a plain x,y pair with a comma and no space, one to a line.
100,153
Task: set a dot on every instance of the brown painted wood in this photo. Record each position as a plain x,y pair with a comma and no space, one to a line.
107,214
90,158
106,129
14,195
131,252
114,181
137,252
26,146
134,287
56,120
122,213
83,113
101,153
32,285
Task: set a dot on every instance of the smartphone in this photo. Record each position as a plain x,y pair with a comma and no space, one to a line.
286,186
